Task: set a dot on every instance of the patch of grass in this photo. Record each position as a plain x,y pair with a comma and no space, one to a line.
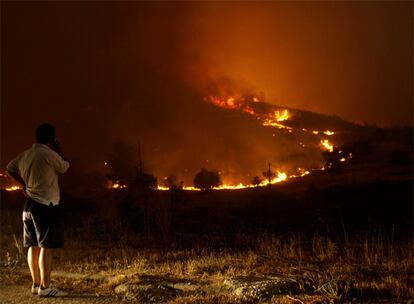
10,276
362,269
326,270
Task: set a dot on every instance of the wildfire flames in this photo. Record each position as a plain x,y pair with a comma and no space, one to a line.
13,188
116,184
327,145
280,177
279,119
276,119
7,183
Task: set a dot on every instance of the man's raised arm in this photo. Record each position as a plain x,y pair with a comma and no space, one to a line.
61,164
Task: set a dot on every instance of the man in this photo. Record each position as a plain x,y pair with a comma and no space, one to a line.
37,169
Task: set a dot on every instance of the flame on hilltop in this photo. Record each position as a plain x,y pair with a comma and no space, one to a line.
241,104
228,103
327,132
327,145
282,115
277,119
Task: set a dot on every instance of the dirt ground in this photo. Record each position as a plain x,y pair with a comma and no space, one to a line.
13,294
15,288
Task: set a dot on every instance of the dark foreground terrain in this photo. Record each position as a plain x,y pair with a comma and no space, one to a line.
299,242
334,236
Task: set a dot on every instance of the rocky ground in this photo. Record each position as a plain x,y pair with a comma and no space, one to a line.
135,288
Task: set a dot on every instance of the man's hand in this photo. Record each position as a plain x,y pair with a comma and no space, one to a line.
58,149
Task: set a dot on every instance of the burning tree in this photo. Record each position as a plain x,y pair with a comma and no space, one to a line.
206,180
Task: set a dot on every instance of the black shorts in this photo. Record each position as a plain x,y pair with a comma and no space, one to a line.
42,225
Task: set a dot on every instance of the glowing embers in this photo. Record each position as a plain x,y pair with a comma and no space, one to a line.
327,132
327,145
118,185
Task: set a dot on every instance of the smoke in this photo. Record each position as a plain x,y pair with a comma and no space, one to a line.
139,72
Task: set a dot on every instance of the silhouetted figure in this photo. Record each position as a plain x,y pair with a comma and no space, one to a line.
37,169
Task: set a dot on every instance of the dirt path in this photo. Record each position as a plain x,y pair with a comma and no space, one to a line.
15,288
18,294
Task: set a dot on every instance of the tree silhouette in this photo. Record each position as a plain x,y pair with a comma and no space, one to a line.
171,181
256,180
207,179
146,181
121,163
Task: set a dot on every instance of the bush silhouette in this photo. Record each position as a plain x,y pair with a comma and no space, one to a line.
207,179
171,181
256,180
146,181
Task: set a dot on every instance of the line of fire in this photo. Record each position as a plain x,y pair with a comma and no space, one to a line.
278,118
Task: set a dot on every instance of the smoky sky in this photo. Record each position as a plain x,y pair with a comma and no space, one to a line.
138,71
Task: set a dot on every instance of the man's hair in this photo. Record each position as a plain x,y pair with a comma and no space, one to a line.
45,133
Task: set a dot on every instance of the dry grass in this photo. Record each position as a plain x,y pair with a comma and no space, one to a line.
325,270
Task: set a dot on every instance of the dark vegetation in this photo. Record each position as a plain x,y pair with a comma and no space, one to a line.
345,233
339,211
371,192
206,180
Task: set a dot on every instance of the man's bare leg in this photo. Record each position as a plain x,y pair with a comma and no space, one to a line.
45,265
33,261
